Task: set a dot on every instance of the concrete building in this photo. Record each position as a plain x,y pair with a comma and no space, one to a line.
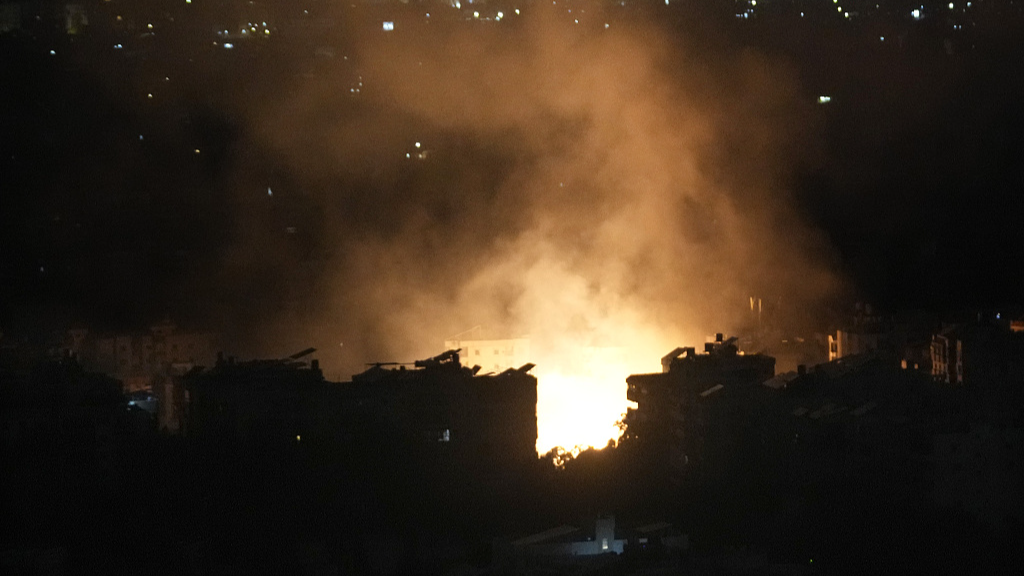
571,541
490,354
139,360
692,404
947,357
435,406
570,549
491,417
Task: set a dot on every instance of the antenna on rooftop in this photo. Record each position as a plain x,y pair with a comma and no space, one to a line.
305,352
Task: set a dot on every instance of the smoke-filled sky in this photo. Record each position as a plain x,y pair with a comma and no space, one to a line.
372,193
580,185
587,187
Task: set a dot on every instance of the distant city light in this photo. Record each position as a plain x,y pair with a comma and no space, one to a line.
269,191
389,26
824,99
229,45
916,14
53,52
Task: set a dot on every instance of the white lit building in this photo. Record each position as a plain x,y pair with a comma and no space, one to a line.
495,355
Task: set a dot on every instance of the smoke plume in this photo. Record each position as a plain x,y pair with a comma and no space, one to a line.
590,187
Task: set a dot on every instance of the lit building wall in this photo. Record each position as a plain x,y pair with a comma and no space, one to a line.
850,342
492,355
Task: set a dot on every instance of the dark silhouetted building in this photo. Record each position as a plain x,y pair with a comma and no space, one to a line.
439,401
694,405
437,406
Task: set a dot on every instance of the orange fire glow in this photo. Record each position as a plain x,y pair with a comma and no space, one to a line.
581,406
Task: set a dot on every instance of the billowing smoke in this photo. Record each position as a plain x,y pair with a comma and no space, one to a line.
593,188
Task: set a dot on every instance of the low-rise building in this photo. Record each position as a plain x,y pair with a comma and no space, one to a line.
436,406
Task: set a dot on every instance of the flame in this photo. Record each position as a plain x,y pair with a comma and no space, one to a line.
575,412
582,406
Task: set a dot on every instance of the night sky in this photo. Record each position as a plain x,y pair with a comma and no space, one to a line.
561,191
119,208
